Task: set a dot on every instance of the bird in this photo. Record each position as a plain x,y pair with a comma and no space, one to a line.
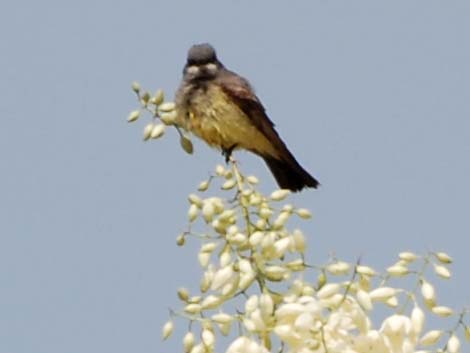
221,108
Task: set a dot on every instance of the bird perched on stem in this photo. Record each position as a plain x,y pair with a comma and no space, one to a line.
221,108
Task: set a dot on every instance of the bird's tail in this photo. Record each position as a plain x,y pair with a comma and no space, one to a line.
289,174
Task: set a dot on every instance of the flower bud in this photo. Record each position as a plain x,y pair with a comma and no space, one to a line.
431,338
193,212
145,98
222,318
281,246
266,305
442,271
382,293
321,280
328,290
428,293
183,294
304,213
407,256
188,342
275,273
158,97
365,270
296,265
180,240
280,194
168,118
186,144
281,220
209,247
252,179
204,259
338,268
167,330
148,131
453,344
208,211
193,308
167,107
136,87
199,348
219,170
221,277
203,186
208,338
397,270
443,257
133,116
442,311
299,241
265,212
364,300
417,320
211,302
157,131
229,184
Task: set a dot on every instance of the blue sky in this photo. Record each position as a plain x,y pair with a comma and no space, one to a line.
372,97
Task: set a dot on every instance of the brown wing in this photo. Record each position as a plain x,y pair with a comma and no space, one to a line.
240,91
288,172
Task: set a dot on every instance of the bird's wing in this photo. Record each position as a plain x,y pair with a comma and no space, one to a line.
240,91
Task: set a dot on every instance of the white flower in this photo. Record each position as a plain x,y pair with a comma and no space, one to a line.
303,213
443,257
157,131
365,270
407,256
428,293
399,334
279,195
222,318
453,345
328,290
167,107
442,271
364,300
443,311
244,344
397,270
431,337
338,268
382,293
188,342
221,277
211,302
167,329
208,338
133,116
417,320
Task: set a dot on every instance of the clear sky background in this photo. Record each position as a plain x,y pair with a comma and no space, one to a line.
373,97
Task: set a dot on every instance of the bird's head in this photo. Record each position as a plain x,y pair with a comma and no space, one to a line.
202,63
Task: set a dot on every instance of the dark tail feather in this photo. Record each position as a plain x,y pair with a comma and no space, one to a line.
290,175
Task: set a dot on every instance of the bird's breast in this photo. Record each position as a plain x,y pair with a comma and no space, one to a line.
212,116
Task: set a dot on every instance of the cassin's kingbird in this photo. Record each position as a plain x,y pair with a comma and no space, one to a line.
221,108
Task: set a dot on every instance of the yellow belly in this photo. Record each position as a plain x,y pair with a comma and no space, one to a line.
217,120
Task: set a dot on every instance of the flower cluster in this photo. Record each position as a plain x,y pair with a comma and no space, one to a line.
254,275
248,248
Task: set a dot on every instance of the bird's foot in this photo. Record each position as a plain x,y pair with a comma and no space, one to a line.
227,153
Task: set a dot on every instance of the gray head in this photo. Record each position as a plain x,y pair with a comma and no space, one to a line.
200,54
202,63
